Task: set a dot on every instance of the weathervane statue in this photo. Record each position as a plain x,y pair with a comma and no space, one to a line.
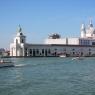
19,29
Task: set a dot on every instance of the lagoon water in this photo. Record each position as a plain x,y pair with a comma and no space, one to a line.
48,76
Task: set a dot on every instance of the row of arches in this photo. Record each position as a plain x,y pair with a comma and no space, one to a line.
56,52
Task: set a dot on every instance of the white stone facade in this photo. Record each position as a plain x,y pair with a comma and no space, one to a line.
55,45
17,47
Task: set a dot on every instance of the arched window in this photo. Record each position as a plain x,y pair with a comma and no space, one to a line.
37,51
42,51
30,51
22,41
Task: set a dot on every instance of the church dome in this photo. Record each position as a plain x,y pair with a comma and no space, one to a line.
90,29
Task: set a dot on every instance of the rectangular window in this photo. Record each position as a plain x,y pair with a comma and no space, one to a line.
93,43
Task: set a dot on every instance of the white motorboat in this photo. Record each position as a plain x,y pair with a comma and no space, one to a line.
77,58
62,55
6,63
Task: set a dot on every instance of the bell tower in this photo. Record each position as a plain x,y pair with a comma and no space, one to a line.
17,47
20,38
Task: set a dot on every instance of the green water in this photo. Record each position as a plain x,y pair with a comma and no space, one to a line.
48,76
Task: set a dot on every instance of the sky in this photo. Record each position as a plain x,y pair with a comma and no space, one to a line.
39,18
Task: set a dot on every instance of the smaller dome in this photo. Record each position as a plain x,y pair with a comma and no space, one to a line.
90,30
55,36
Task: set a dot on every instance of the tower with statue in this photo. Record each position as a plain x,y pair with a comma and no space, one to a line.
54,45
17,47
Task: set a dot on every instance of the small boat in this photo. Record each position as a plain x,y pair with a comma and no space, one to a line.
62,55
6,63
77,58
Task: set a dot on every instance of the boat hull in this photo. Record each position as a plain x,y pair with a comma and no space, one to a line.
6,65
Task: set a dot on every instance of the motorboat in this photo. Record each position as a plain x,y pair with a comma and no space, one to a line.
77,58
62,55
6,63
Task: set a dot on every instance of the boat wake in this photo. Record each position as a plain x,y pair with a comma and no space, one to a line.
20,65
77,58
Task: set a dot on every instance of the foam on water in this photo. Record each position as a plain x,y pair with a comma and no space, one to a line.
20,65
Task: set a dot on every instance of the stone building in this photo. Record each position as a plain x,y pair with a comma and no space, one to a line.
55,45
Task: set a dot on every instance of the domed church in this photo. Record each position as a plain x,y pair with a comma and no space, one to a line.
55,45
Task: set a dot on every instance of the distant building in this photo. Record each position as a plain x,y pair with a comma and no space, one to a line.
55,45
2,51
